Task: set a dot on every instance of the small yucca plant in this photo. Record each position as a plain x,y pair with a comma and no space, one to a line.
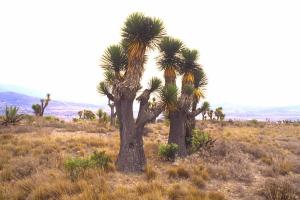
11,115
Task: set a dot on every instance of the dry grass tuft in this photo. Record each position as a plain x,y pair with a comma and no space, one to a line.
150,173
278,190
178,172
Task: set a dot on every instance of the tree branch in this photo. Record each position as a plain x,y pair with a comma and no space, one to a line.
150,115
109,96
195,113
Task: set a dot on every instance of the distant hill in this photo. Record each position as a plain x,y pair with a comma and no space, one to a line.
65,110
262,113
68,110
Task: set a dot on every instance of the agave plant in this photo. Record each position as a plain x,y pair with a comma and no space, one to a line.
11,115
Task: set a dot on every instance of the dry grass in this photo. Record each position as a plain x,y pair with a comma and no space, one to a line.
245,155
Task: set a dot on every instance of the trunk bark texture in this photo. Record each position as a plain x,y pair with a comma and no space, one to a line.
131,156
177,131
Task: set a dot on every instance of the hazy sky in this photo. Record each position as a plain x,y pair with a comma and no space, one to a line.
249,49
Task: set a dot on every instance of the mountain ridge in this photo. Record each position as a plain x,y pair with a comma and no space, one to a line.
69,110
61,109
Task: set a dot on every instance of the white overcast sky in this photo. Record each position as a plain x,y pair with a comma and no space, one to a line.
249,49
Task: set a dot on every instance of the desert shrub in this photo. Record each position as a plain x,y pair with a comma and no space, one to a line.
100,159
168,151
150,173
76,167
51,118
278,190
11,116
200,139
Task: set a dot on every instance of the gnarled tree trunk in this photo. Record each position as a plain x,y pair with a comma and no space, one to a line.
177,131
131,156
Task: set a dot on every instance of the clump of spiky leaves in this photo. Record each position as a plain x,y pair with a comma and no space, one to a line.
168,151
189,59
219,113
36,109
205,106
154,84
109,76
168,95
104,88
188,65
114,58
187,89
140,32
200,83
11,115
169,49
200,78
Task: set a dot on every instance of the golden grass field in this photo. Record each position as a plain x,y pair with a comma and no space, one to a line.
249,160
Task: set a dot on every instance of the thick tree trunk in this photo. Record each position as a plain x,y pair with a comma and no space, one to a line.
177,131
131,156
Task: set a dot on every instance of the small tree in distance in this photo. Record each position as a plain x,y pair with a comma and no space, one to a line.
39,109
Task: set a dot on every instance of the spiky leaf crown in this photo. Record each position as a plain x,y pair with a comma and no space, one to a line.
145,30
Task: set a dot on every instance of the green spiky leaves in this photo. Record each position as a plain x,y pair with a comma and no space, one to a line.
189,60
114,58
200,78
205,106
188,89
103,88
169,52
142,29
109,76
168,95
154,84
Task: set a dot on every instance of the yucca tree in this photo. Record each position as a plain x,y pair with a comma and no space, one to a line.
205,109
186,63
219,114
39,109
139,34
114,62
210,114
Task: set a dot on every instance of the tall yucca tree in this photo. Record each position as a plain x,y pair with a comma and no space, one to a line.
178,117
169,58
139,34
